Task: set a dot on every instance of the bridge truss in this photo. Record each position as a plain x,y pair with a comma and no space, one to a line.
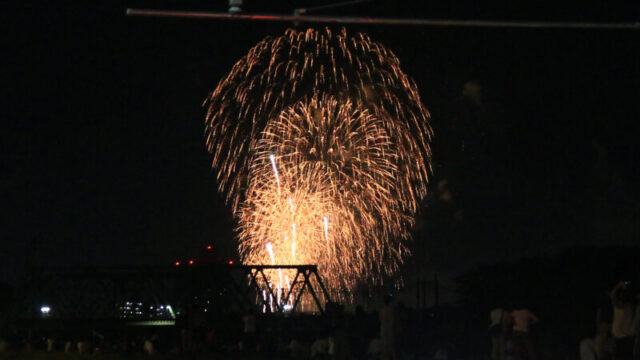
167,293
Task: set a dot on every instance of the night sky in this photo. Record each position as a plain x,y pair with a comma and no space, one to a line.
103,157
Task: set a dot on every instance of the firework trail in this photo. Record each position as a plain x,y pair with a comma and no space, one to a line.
321,145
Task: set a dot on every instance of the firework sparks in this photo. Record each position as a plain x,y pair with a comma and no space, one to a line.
321,145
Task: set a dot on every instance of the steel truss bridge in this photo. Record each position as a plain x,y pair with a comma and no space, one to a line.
167,293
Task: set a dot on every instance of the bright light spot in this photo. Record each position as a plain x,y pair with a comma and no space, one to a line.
177,263
45,309
230,262
190,262
173,315
275,170
270,251
287,307
209,247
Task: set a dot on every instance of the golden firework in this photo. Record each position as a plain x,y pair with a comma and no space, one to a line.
320,143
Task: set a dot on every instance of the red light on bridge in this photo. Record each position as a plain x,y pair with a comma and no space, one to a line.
190,262
230,262
209,247
177,263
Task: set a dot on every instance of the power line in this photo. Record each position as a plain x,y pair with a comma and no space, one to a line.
382,21
329,6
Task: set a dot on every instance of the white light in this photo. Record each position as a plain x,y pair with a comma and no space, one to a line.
270,251
171,311
287,307
45,309
275,170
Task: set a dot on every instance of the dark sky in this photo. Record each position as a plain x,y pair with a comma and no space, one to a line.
103,158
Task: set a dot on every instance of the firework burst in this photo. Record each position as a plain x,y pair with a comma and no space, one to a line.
321,145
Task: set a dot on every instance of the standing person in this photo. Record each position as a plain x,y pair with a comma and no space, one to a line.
587,349
341,349
636,328
522,320
185,339
359,333
403,344
249,330
210,339
387,329
147,345
51,343
604,318
622,326
496,331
